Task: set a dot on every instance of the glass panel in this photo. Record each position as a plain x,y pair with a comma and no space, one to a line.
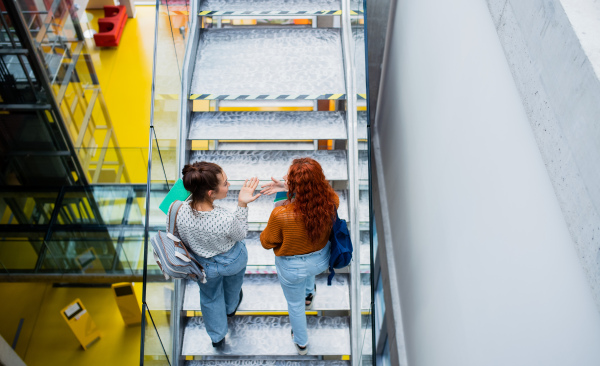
154,347
172,29
33,208
366,344
87,251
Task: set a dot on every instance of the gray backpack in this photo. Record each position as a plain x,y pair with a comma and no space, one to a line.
171,253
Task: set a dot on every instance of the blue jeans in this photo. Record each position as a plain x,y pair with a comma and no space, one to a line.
220,294
296,275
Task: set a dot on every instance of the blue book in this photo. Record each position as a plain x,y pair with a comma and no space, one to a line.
177,192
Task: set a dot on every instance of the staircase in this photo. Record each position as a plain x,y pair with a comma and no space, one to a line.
268,81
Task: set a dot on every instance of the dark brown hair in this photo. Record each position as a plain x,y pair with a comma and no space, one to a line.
314,199
199,178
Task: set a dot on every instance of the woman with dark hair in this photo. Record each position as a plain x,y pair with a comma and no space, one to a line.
298,232
214,235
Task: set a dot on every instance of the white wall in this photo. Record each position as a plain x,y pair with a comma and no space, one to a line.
486,268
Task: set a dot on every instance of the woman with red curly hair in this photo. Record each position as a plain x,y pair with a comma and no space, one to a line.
298,232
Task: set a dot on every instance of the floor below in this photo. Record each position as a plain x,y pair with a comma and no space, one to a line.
46,339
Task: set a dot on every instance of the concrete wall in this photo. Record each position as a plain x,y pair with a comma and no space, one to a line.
476,240
8,357
552,57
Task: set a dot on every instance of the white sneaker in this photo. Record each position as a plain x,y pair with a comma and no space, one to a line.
301,350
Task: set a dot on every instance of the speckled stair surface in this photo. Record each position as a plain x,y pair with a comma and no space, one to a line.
259,211
269,335
243,164
279,61
270,5
251,362
262,292
269,126
276,145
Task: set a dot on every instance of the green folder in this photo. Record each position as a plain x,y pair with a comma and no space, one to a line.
177,192
280,196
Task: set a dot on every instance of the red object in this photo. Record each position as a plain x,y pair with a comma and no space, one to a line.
111,26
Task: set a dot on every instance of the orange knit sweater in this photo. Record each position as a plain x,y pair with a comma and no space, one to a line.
286,235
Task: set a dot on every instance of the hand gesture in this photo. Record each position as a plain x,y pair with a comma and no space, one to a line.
246,193
273,187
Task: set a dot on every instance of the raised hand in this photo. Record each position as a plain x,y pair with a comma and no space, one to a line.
273,187
247,192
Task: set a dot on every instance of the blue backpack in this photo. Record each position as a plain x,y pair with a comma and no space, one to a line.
341,247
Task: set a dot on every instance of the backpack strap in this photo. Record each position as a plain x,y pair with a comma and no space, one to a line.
175,207
173,216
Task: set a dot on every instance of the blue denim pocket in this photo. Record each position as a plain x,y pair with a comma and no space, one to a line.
233,261
210,267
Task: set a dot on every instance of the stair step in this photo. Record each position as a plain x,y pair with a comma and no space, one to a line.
270,126
363,166
257,255
291,145
358,34
365,291
262,292
270,62
362,125
299,361
270,5
259,211
243,164
241,360
269,335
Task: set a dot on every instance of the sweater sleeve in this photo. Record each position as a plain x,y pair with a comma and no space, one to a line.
239,225
272,235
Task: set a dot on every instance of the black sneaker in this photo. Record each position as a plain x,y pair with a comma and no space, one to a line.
238,305
220,343
301,350
309,299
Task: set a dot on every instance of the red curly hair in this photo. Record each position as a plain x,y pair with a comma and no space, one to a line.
314,199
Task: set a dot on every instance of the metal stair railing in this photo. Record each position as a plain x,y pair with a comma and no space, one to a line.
353,169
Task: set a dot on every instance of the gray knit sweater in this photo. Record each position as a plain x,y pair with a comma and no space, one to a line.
209,233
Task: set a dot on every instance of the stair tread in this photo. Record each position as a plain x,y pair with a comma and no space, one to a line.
269,362
268,125
362,125
264,164
269,335
262,292
270,5
259,211
276,61
358,34
258,256
291,145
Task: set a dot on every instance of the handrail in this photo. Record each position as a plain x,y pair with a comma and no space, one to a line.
184,147
353,187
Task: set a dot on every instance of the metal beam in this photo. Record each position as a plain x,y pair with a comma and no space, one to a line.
9,51
25,107
18,22
77,277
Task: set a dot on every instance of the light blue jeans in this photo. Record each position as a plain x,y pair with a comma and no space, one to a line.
220,294
296,275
